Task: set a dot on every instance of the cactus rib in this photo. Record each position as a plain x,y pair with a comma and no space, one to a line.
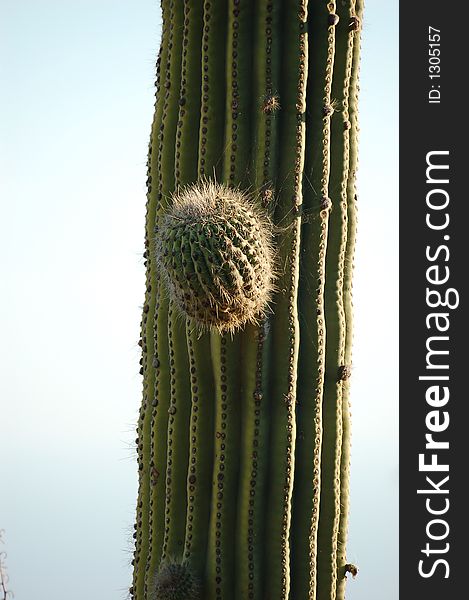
330,507
212,112
226,352
311,306
185,161
166,166
285,331
143,533
356,11
256,340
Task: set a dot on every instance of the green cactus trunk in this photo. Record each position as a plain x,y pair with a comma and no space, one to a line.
244,429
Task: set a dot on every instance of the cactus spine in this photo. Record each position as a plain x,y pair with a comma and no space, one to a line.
244,428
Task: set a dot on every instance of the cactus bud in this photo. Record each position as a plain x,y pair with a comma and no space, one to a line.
213,248
175,581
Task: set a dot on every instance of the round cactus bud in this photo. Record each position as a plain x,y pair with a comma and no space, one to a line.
214,251
175,581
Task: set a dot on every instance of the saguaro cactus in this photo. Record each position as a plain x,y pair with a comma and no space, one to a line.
243,433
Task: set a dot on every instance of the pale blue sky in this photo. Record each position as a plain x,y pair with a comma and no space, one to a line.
75,110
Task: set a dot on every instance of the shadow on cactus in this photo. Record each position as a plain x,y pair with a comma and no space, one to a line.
214,249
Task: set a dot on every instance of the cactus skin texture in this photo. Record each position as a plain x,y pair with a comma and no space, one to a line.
243,434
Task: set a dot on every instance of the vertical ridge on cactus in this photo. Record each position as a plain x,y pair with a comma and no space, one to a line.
147,530
356,13
221,572
244,429
285,326
330,504
256,341
311,369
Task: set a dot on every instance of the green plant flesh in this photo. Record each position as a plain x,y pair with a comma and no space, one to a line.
244,429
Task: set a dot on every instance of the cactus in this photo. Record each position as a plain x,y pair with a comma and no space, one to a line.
244,429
